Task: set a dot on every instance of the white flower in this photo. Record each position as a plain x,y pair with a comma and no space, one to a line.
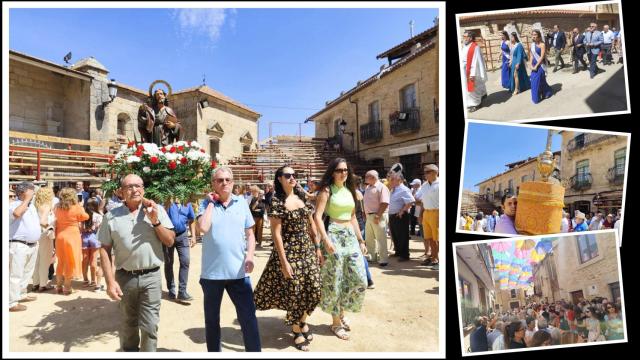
123,148
193,154
150,148
218,157
195,145
146,169
181,143
171,156
132,159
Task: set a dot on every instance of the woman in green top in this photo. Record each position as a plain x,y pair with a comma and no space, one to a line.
343,275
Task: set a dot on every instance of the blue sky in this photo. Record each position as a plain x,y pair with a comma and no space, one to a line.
490,147
283,63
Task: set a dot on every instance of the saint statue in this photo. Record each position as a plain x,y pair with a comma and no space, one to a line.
157,122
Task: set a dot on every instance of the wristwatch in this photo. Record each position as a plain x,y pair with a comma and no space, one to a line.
156,224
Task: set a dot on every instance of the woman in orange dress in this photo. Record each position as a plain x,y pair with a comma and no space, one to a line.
68,241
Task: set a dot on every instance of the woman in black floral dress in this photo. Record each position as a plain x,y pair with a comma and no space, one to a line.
291,278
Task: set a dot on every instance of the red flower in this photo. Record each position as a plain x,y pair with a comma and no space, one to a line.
172,165
202,151
173,149
110,161
131,143
140,148
154,160
139,153
183,160
180,148
163,150
214,164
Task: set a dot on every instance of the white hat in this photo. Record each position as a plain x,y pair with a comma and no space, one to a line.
416,182
581,216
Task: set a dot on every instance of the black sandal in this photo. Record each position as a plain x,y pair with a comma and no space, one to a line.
307,335
302,346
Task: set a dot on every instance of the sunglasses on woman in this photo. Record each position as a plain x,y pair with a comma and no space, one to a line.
344,171
289,175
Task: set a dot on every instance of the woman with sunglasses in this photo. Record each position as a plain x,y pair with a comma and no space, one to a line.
291,279
615,329
344,279
514,335
593,325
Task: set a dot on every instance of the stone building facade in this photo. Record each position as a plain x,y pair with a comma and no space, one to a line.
488,27
475,280
510,299
593,169
581,267
517,173
393,115
74,102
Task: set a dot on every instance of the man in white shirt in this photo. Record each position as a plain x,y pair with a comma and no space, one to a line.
24,233
376,203
608,39
429,200
596,222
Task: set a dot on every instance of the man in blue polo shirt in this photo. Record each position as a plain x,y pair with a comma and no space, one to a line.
228,245
182,217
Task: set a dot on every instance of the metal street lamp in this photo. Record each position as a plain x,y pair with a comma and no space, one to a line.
113,91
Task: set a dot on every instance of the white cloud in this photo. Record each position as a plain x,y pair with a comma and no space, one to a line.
207,22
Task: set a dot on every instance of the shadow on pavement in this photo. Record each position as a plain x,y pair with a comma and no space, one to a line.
78,322
274,334
434,291
414,272
496,98
610,96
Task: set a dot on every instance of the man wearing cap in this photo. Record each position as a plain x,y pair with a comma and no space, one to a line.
136,231
581,224
376,202
428,198
24,233
415,209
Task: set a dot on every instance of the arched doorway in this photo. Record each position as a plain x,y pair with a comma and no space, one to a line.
124,129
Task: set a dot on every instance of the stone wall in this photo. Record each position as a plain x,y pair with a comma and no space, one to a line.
601,159
36,100
599,271
504,299
501,182
421,71
234,124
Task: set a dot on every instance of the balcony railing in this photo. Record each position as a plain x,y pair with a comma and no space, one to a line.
584,140
408,120
371,132
581,182
497,195
615,175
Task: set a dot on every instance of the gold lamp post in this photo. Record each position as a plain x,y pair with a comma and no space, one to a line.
540,203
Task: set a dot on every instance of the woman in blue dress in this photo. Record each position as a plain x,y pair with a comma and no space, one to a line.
539,87
518,78
506,57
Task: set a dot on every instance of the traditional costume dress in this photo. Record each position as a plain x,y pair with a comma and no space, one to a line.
506,56
518,56
539,87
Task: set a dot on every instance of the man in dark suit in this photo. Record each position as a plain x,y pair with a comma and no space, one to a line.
559,42
478,338
578,51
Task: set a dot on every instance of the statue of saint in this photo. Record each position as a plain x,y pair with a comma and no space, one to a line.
157,122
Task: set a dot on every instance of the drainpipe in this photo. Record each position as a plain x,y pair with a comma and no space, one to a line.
357,129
